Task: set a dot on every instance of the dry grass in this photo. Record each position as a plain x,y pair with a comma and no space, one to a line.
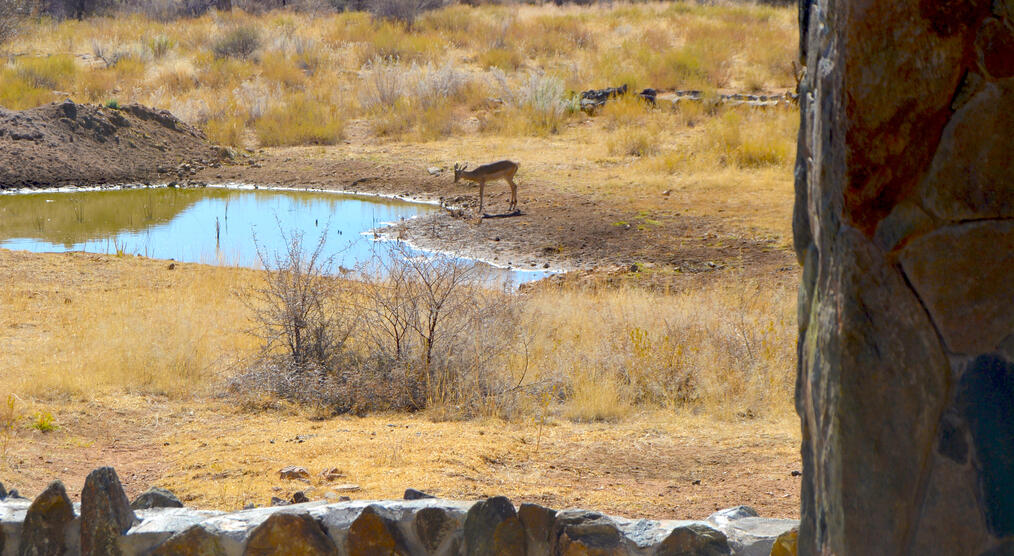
126,326
221,70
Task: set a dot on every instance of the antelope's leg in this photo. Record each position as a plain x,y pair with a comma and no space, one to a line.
482,192
514,193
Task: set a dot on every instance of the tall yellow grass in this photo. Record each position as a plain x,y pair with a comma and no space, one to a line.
183,66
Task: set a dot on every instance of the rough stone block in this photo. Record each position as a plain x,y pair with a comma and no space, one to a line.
105,513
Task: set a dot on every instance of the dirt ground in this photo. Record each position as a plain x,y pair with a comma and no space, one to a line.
214,456
80,144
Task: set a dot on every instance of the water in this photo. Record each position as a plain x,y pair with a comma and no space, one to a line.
206,225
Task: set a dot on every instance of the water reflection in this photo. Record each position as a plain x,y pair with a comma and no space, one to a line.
207,225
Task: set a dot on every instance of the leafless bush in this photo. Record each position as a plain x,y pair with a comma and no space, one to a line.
300,308
415,331
443,317
383,84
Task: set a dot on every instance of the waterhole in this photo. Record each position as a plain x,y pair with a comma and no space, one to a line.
209,225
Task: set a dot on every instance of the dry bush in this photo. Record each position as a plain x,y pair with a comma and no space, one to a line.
537,106
240,42
430,332
299,309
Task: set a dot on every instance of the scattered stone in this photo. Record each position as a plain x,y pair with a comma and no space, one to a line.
294,472
45,528
432,526
434,170
3,492
694,540
276,501
105,512
538,524
193,541
492,528
413,494
375,532
331,474
285,533
299,497
349,487
156,497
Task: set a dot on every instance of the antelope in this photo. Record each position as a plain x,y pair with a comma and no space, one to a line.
504,169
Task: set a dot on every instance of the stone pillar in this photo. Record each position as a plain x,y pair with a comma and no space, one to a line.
904,224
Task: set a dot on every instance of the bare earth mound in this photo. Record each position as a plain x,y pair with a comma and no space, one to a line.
82,144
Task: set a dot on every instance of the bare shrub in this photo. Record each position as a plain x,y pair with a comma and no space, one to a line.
445,319
240,42
414,332
383,84
299,308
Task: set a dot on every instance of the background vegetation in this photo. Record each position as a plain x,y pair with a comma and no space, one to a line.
287,77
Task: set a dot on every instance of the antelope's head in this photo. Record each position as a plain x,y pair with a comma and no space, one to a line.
458,169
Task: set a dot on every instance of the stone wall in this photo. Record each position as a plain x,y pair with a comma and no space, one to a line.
157,524
904,224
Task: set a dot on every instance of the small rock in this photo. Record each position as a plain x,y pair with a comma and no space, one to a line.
105,512
796,473
413,494
3,492
299,497
156,497
434,170
331,474
286,533
45,527
276,501
294,472
347,488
